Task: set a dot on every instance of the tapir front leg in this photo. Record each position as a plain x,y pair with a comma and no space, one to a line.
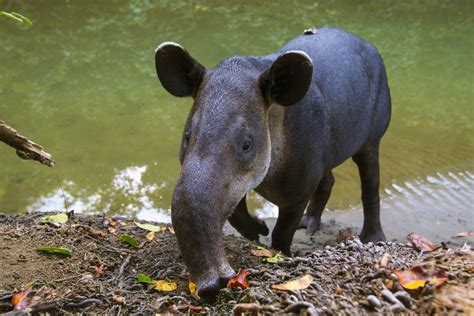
247,225
286,225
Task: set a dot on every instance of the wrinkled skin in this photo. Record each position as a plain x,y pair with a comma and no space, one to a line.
276,124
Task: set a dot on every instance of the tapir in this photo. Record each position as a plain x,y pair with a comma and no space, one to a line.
278,125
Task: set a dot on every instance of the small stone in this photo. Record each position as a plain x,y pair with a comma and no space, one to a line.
404,297
374,301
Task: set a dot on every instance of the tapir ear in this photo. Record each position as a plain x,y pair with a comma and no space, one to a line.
179,73
288,79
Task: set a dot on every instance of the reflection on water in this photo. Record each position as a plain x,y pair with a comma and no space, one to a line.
82,83
125,194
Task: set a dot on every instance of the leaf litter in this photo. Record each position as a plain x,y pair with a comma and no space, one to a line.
347,278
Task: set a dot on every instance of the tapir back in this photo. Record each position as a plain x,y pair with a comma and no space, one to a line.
348,103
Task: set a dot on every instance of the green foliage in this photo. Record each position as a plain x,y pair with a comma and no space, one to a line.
17,17
143,278
55,250
150,227
60,218
129,240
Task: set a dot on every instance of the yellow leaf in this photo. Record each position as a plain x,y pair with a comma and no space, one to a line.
193,289
413,285
296,284
162,285
417,276
150,235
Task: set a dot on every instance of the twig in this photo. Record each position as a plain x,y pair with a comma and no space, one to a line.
25,148
68,278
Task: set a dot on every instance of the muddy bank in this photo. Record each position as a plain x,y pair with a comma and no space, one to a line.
100,275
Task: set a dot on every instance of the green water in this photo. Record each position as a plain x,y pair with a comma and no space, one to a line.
82,83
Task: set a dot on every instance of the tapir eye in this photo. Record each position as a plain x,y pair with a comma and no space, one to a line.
247,145
187,136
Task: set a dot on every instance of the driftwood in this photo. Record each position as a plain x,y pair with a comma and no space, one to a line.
25,148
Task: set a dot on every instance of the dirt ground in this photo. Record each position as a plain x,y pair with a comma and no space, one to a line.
347,278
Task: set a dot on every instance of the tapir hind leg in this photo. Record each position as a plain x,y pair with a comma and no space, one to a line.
367,161
247,225
312,218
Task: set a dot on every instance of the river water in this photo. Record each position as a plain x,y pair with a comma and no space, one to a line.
81,82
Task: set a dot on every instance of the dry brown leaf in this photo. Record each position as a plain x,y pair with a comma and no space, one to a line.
239,280
261,252
118,299
344,234
420,243
465,234
99,270
418,276
296,284
20,299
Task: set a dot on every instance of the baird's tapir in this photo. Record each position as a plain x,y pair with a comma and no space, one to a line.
276,124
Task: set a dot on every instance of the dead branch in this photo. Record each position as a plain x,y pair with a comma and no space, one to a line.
25,148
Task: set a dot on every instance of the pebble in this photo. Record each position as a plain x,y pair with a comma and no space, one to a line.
374,301
404,297
397,306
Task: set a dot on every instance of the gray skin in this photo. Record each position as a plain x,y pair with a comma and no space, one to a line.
276,124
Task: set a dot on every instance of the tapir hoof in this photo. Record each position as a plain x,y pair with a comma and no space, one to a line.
253,229
366,237
311,223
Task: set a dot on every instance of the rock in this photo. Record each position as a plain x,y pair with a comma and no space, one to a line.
298,306
374,301
405,298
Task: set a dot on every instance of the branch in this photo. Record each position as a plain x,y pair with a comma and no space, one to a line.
25,148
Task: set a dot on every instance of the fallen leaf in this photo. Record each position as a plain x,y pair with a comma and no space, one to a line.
143,278
150,235
129,240
162,285
420,243
261,252
386,258
99,270
149,227
195,309
418,276
111,224
171,229
465,234
296,284
275,259
20,299
344,234
60,218
239,280
118,299
193,289
86,277
55,250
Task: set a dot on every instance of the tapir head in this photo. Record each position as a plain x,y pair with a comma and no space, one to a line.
226,148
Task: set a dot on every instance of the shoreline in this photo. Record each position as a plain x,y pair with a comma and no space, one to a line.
348,277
